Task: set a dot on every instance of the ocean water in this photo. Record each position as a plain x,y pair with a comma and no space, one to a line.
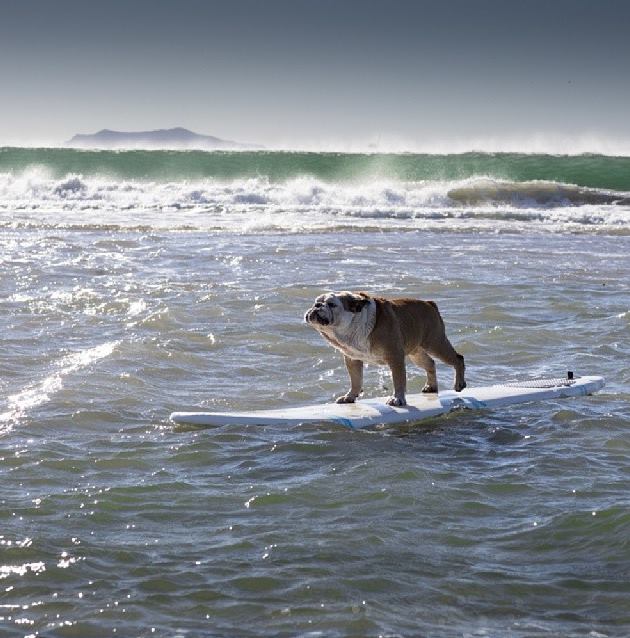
137,283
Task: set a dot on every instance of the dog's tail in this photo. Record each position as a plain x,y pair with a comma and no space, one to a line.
437,311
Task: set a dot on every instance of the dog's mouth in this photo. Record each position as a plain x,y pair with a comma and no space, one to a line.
313,316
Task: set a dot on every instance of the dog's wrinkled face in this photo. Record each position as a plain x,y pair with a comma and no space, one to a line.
322,312
335,309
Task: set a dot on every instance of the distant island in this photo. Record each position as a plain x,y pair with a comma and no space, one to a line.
172,138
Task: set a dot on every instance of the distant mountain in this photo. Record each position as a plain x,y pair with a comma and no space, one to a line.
175,138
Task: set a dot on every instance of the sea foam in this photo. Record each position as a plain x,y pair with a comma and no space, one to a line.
302,202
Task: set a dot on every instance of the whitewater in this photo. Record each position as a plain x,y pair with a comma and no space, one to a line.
137,283
296,192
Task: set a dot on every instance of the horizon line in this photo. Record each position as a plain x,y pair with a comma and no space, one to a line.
601,147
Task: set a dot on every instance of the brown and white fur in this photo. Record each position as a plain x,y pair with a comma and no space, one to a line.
384,331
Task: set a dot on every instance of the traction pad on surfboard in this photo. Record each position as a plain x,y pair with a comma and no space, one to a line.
561,382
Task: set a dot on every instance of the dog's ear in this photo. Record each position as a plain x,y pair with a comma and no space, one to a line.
355,303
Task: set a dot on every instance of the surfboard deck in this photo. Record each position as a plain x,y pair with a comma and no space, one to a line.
370,412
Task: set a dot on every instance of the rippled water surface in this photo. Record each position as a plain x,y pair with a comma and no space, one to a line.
115,522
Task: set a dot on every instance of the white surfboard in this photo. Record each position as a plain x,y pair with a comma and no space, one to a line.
370,412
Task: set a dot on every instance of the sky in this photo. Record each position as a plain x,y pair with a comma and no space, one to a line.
410,75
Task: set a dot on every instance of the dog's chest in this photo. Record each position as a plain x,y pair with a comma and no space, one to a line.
354,348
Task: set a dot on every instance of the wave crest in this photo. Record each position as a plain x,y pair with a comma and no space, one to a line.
307,201
535,194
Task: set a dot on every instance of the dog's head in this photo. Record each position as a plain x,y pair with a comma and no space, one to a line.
336,309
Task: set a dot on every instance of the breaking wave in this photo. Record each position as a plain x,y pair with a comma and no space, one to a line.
301,192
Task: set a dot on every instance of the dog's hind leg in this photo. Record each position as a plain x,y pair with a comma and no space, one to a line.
423,360
445,352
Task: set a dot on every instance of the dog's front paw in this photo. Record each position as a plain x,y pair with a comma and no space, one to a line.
346,398
396,401
458,387
429,389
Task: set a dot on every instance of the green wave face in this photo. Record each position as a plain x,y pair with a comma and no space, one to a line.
592,171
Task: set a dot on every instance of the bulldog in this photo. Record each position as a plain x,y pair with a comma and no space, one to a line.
367,329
